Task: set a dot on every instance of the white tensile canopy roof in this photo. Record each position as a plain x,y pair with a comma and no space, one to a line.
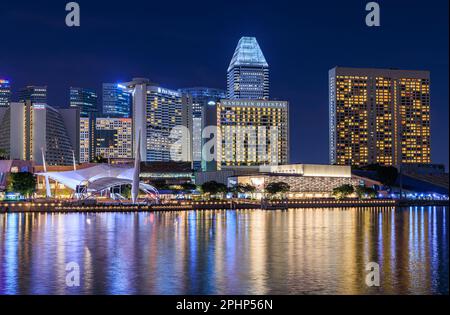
97,178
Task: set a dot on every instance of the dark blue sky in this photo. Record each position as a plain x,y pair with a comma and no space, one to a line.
190,43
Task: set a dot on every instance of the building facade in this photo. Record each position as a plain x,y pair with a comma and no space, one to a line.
84,99
114,138
250,133
35,94
87,140
5,93
116,100
304,180
201,99
157,111
379,116
248,72
26,128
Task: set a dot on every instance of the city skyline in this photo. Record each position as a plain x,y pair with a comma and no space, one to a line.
301,80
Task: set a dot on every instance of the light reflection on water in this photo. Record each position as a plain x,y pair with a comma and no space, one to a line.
303,251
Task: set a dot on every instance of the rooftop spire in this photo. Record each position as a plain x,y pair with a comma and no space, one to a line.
248,53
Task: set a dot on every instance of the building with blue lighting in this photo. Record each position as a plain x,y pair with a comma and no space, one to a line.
248,72
116,100
5,93
200,99
84,99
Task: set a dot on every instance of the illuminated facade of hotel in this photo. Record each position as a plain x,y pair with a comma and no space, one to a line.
156,111
114,138
26,128
379,116
5,93
248,72
251,133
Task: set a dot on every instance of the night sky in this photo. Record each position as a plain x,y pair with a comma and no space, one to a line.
190,43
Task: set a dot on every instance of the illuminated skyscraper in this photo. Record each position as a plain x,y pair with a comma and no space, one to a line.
5,93
156,111
33,93
250,133
26,128
379,116
116,100
114,138
84,99
201,99
248,72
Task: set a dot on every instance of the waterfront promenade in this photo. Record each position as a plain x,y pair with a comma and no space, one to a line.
64,206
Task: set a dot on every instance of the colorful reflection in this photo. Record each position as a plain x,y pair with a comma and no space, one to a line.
302,251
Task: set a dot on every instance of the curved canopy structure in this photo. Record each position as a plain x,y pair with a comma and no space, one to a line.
97,178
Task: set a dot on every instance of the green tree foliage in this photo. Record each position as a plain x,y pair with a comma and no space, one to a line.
3,155
188,187
365,192
343,191
23,183
126,191
213,188
277,188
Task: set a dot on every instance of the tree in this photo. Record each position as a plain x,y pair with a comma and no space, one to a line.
242,189
343,191
23,183
4,155
126,191
188,187
99,159
277,188
213,188
365,192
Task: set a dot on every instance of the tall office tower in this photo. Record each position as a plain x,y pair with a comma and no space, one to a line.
116,100
379,116
5,93
114,137
250,133
156,111
201,99
26,128
248,72
84,99
33,93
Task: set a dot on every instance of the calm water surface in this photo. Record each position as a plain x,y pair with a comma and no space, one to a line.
303,251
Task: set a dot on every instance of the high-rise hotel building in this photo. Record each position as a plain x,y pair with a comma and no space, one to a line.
156,112
250,133
379,116
248,72
5,93
26,128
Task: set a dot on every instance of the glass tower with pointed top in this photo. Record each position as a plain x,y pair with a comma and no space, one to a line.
248,73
